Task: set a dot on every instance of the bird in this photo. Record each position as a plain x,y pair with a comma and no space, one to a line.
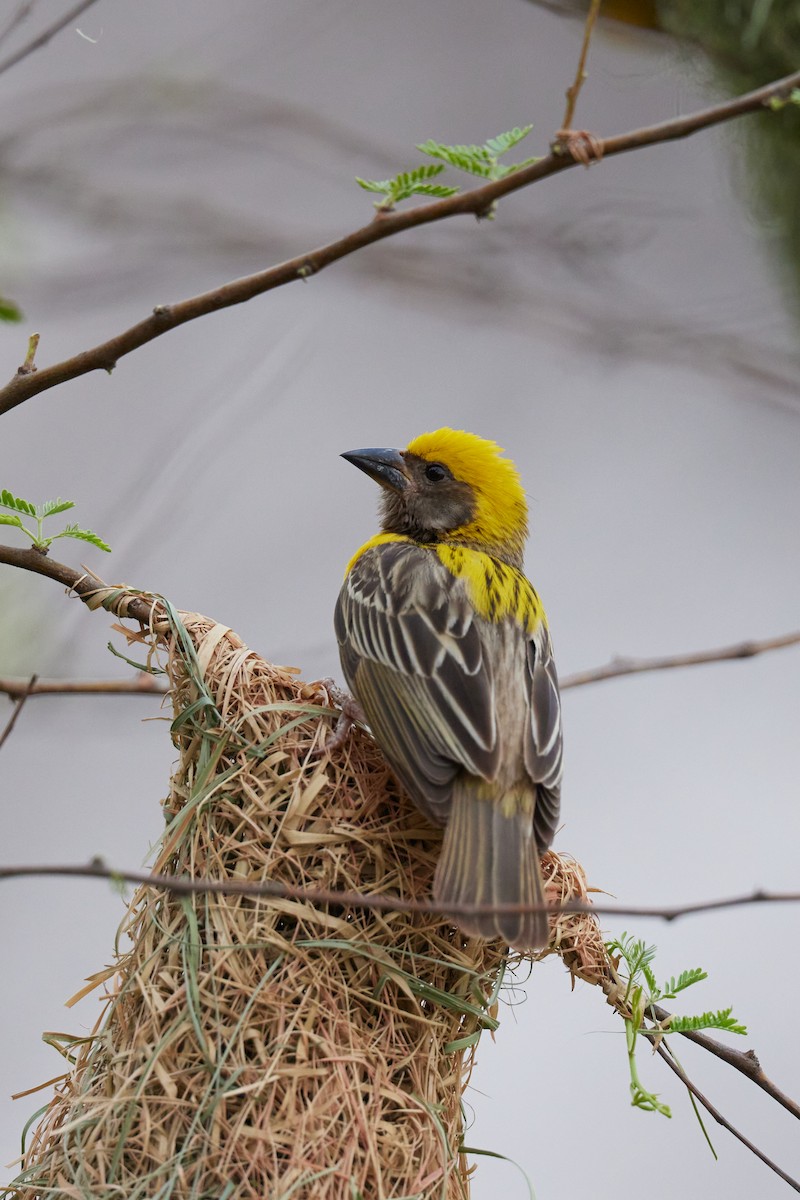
445,646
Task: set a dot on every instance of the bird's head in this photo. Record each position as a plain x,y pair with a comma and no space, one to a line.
450,486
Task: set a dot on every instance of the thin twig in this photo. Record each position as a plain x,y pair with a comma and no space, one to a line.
85,584
16,19
44,37
184,886
18,707
142,685
744,1061
574,90
635,666
476,202
617,668
718,1117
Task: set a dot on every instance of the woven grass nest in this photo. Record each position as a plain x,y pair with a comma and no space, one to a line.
268,1047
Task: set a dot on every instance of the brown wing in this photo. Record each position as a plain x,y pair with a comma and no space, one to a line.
543,746
412,653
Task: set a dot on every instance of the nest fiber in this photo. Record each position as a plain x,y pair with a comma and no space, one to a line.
272,1047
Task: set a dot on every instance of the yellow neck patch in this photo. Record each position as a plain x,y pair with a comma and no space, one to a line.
496,590
501,512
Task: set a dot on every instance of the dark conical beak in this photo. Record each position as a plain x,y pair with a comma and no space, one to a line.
386,467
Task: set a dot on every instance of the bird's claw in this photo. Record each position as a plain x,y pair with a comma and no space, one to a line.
350,715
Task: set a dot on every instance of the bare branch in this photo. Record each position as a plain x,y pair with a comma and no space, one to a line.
617,668
618,996
718,1117
17,18
142,685
44,37
184,886
86,585
574,90
636,666
476,202
18,707
744,1061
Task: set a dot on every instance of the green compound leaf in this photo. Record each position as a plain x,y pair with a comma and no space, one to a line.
8,500
481,160
407,183
434,189
641,994
503,170
476,160
84,535
722,1019
504,141
40,513
54,506
374,185
686,978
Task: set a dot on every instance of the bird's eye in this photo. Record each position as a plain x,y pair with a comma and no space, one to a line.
435,473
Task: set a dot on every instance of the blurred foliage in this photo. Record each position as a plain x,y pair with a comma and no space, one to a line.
9,311
750,43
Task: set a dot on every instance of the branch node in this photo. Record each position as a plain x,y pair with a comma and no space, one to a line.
580,145
29,366
306,271
487,213
163,313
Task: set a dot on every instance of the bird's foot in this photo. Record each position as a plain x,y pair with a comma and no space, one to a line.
350,714
581,145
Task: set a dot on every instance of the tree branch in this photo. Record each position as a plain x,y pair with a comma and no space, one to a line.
43,38
142,685
18,707
574,90
617,668
87,585
744,1061
718,1117
635,666
16,19
477,202
274,889
184,886
618,996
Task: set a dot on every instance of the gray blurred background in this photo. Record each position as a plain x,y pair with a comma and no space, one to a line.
622,332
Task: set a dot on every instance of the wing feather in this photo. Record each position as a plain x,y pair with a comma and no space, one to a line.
412,653
543,744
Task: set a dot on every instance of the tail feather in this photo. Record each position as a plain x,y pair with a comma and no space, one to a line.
489,858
